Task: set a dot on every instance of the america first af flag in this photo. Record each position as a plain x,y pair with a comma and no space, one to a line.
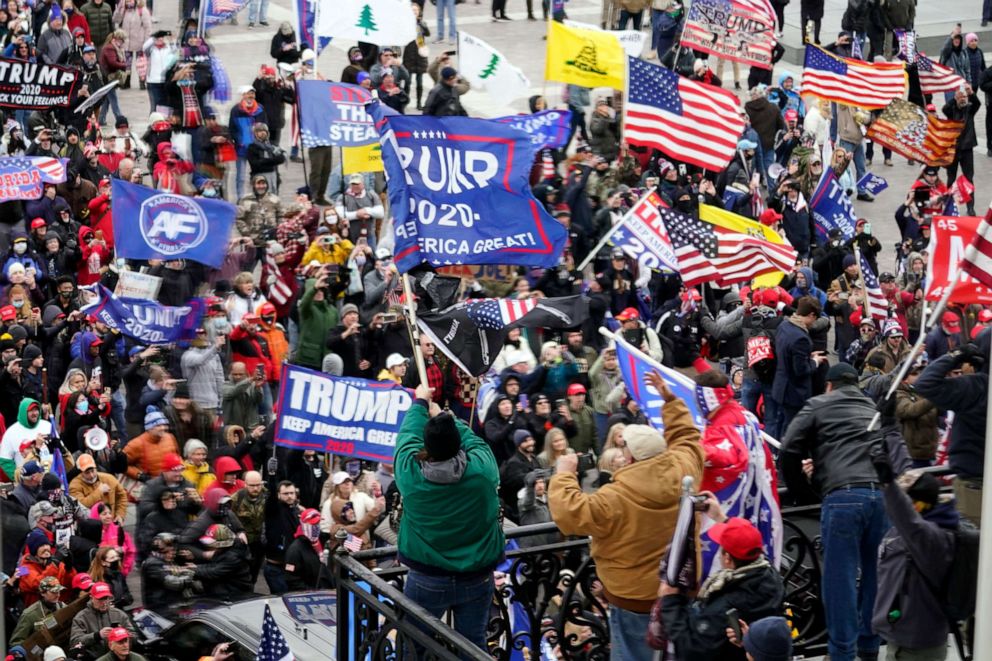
739,30
459,193
380,22
851,82
487,69
688,120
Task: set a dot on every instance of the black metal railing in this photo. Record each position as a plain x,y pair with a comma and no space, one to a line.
548,593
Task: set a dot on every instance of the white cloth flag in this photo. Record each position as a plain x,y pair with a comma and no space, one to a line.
380,22
631,40
488,69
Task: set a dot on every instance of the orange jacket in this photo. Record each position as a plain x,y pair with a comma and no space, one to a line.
278,348
145,455
29,583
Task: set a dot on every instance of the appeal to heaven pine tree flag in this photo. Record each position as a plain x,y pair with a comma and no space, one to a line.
380,22
488,69
590,58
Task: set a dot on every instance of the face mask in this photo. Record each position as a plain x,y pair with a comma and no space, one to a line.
17,304
222,325
360,261
82,406
311,531
65,294
209,192
115,565
20,247
68,11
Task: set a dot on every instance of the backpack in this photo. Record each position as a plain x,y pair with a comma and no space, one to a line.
960,588
760,353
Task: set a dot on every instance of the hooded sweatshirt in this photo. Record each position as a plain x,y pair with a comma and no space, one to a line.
222,467
22,430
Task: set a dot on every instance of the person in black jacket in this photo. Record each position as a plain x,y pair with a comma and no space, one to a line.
501,426
513,471
443,100
273,94
285,48
305,469
306,557
265,157
167,518
963,107
282,516
225,574
747,582
164,583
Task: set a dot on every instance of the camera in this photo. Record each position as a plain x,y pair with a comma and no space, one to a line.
586,462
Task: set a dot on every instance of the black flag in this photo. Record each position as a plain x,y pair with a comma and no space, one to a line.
471,333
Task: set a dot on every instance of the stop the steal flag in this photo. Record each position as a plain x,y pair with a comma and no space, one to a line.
150,224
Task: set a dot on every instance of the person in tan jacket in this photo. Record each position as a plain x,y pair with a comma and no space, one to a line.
631,519
91,487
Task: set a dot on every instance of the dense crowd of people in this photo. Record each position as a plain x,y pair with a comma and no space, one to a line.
150,465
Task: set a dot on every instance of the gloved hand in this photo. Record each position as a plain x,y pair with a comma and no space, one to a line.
144,477
883,468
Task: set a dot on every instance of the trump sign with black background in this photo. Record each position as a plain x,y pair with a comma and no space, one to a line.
347,416
459,192
33,85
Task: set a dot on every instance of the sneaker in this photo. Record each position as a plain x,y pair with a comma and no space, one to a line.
868,162
531,17
737,85
439,40
296,159
265,23
251,25
504,17
154,19
888,162
865,196
989,153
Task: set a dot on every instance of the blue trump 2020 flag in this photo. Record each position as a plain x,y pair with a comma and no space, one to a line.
151,224
459,193
334,114
548,129
147,322
831,208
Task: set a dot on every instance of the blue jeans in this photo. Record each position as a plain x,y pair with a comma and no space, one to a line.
110,103
751,391
240,174
859,157
275,578
449,6
156,93
852,523
117,415
258,10
627,631
468,600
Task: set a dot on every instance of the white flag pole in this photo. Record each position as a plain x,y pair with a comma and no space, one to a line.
983,607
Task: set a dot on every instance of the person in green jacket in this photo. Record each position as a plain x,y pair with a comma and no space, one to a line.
450,535
317,316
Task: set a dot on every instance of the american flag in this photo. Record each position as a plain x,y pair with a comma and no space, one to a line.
740,30
688,120
353,543
711,253
878,306
977,260
641,234
910,131
852,82
935,77
495,313
52,170
218,11
276,288
272,646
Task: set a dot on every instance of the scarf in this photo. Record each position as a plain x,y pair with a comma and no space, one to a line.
249,106
192,117
718,580
315,543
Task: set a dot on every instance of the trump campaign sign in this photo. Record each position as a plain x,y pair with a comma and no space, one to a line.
459,192
344,415
334,114
24,177
149,224
950,236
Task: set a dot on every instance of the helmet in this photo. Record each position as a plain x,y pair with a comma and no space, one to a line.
218,536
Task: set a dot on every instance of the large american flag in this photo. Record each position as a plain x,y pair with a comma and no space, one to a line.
710,253
740,30
977,260
276,288
907,129
878,305
272,646
852,82
495,313
52,170
935,77
218,11
688,120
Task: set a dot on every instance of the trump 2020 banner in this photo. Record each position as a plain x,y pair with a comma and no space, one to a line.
950,236
24,177
548,129
831,208
459,193
334,114
149,224
33,85
147,322
344,415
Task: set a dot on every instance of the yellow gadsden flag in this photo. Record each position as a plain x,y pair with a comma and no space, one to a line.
732,221
590,58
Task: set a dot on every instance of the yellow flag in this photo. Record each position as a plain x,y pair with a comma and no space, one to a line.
590,58
367,158
732,221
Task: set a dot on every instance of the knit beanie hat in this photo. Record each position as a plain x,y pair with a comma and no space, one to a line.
769,639
36,540
520,436
154,418
644,441
191,445
441,438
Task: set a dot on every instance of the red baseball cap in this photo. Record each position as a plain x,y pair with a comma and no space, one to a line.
738,537
628,313
38,222
118,634
266,309
985,316
951,322
101,591
8,313
576,389
769,217
310,516
172,462
82,581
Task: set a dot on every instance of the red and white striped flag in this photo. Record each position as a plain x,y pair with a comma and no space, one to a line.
878,306
688,120
977,260
852,82
277,290
353,543
935,77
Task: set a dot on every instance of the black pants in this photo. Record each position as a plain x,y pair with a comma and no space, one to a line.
816,27
988,120
418,79
499,8
870,151
321,162
257,560
780,16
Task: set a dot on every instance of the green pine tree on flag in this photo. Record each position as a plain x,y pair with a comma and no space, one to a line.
366,22
490,68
